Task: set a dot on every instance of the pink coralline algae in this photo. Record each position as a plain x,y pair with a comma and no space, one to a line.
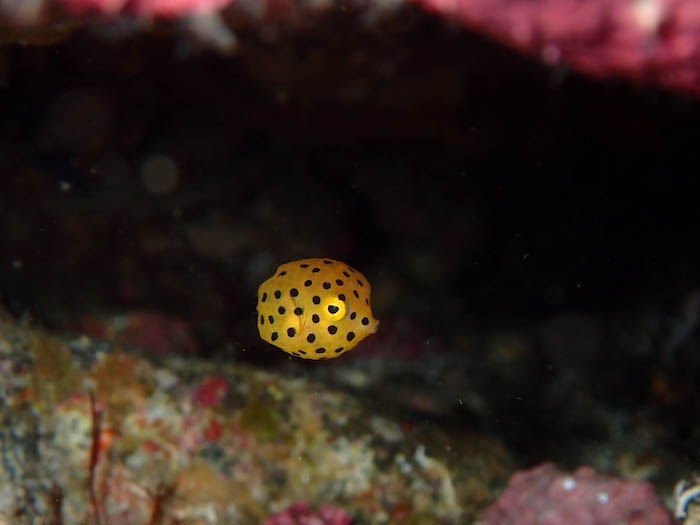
547,496
649,40
162,8
301,514
211,391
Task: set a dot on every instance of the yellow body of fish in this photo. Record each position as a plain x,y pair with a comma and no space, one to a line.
315,308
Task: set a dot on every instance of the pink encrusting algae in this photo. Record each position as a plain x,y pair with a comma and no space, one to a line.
647,41
654,41
301,513
547,495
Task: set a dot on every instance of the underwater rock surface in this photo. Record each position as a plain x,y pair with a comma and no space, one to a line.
645,41
91,433
547,495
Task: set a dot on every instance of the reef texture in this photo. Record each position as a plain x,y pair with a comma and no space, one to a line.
547,496
648,41
92,434
302,514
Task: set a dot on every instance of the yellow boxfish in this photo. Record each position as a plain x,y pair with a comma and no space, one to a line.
315,308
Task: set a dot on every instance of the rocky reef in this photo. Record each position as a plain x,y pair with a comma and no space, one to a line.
92,433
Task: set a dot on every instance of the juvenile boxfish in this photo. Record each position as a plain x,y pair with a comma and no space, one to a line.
315,308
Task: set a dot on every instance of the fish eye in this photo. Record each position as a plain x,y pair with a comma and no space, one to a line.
334,308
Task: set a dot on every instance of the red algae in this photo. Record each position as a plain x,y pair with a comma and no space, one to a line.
214,431
211,391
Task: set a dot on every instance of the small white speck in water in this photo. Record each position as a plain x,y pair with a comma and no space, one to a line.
568,484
